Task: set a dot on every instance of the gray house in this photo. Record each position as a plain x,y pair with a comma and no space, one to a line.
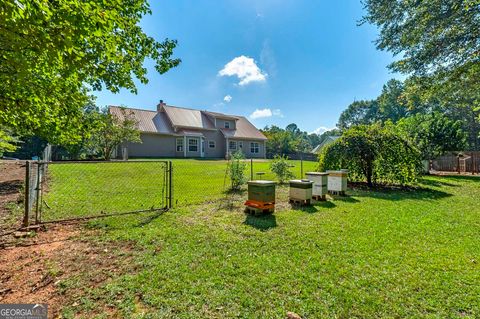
182,132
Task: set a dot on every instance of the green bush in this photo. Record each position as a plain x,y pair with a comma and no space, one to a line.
281,168
236,170
375,154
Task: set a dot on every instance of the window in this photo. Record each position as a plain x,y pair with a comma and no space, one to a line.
254,148
240,144
232,145
227,124
193,145
211,144
179,144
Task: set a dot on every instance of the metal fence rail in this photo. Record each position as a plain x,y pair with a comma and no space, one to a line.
71,190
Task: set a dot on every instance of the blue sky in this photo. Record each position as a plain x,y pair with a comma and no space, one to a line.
276,62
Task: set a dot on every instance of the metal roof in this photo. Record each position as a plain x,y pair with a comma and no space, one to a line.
326,141
187,122
244,129
190,118
148,121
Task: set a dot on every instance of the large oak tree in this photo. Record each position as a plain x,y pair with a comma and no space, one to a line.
54,52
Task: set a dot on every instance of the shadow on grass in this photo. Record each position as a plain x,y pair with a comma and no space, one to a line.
419,193
307,209
150,218
263,223
435,183
346,199
325,204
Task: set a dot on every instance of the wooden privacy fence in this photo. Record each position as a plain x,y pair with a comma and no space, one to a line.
462,162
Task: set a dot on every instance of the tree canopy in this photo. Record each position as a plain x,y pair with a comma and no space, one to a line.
53,53
374,154
438,44
289,140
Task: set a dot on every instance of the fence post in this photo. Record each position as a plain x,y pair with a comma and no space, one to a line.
301,166
170,193
37,195
251,169
27,195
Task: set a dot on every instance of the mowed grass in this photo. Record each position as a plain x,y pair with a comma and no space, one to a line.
373,254
86,189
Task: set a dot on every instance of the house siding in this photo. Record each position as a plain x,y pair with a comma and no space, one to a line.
219,150
246,148
153,145
221,123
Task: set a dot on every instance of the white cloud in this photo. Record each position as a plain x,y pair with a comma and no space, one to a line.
227,98
266,112
321,130
245,69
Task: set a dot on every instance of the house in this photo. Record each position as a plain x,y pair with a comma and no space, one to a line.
172,131
328,140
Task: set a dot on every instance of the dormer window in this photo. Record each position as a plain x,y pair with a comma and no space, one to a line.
227,124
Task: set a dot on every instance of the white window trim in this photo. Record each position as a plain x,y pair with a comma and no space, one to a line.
180,139
254,149
196,144
226,124
234,143
214,144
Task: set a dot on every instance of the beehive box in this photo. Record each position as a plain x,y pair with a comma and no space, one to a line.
337,181
300,190
261,191
320,181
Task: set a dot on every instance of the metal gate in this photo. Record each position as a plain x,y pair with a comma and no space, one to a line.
58,191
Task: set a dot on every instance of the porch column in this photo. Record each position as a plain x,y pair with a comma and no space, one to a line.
184,146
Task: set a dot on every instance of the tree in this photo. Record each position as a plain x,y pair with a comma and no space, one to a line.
375,154
359,113
281,168
53,52
289,140
434,134
439,44
113,131
7,142
391,103
236,170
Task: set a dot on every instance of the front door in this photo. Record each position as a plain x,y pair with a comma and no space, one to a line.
202,147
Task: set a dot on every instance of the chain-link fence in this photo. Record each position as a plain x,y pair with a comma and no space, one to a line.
200,181
69,190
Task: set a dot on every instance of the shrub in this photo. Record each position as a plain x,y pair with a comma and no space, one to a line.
375,154
281,168
236,170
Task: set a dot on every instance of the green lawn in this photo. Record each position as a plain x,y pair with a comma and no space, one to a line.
85,189
373,254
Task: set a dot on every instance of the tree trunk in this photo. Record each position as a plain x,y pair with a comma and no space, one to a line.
369,175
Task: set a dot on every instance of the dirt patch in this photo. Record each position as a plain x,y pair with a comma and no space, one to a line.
59,266
12,176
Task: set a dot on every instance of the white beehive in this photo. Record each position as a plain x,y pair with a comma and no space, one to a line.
337,181
320,181
300,190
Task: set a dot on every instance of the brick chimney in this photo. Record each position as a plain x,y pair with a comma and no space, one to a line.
159,105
